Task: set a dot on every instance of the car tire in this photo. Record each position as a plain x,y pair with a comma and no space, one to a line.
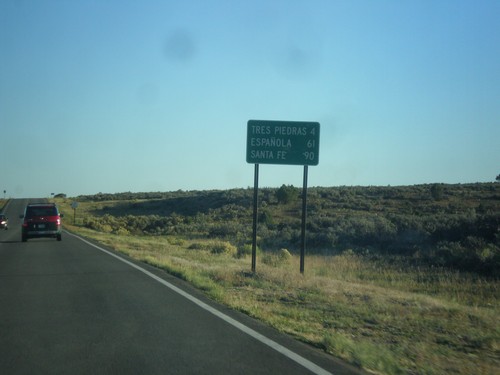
24,238
59,237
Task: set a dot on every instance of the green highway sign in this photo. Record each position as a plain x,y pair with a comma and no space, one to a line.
282,142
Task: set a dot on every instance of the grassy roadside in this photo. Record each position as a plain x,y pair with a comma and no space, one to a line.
381,314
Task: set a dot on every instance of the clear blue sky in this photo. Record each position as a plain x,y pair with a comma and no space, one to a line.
115,95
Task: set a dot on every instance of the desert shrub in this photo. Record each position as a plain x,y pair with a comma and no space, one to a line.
266,218
199,246
224,230
90,222
285,236
121,232
106,228
176,241
223,247
437,191
246,250
325,239
287,194
472,254
365,230
98,224
284,255
278,258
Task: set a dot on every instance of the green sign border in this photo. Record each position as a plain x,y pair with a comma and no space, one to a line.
282,142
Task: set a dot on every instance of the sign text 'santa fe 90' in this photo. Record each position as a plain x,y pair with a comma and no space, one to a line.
282,142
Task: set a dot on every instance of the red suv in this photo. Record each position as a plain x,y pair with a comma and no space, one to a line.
41,220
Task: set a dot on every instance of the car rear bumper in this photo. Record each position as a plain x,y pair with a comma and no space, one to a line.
42,233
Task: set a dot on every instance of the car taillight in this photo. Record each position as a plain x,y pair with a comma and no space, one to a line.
58,221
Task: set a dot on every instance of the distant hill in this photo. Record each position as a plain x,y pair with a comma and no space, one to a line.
449,225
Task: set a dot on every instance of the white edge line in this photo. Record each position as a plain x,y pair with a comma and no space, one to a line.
249,331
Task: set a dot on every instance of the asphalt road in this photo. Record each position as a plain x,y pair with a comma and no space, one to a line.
72,307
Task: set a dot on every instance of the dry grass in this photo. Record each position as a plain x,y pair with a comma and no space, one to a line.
386,317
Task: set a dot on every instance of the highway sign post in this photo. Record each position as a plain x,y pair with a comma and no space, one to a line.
74,206
282,142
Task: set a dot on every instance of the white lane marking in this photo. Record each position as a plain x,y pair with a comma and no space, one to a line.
249,331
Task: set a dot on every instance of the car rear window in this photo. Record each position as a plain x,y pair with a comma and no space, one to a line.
41,211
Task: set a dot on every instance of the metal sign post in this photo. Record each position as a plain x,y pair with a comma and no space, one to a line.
255,205
282,142
74,206
303,227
